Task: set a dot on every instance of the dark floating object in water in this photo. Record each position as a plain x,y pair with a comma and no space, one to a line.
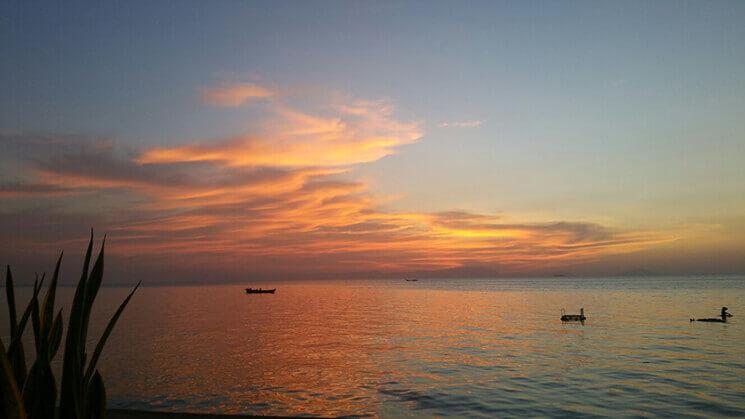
412,280
260,291
573,317
721,319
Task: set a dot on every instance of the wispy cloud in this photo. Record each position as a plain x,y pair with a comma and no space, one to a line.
358,133
472,123
234,94
21,189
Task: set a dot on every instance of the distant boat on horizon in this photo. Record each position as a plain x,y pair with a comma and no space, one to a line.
573,317
260,291
411,280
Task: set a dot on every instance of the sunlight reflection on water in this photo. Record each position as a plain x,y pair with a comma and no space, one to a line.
395,348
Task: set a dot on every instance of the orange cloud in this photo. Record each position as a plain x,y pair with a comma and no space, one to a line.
359,134
235,94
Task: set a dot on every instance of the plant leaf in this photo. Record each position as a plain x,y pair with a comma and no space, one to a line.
106,333
18,363
47,308
11,297
15,349
40,390
17,359
96,397
11,405
38,283
39,338
87,261
16,339
55,336
91,290
71,390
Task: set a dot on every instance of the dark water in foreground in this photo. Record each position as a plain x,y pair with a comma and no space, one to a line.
430,348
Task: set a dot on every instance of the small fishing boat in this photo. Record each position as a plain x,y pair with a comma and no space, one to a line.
721,319
573,317
411,280
260,291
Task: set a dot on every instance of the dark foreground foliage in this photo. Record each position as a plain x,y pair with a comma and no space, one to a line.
32,393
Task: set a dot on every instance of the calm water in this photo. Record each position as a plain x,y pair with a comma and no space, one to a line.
430,348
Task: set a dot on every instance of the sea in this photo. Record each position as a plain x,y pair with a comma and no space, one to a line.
430,348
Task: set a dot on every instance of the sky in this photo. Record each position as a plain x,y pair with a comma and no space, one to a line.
225,141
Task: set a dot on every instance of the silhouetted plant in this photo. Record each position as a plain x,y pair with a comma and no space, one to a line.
32,394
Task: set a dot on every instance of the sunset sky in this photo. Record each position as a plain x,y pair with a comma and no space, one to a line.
223,141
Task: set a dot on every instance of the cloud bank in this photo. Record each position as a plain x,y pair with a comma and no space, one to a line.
276,201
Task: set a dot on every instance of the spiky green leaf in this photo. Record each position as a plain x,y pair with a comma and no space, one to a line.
106,333
40,391
17,359
91,290
47,308
71,390
96,398
55,336
11,297
15,349
87,260
11,405
39,338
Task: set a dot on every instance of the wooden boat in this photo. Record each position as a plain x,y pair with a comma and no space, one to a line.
573,317
260,291
721,319
711,320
